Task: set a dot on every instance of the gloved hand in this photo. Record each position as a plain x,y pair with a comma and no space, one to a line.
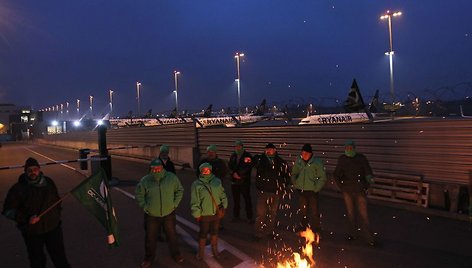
34,219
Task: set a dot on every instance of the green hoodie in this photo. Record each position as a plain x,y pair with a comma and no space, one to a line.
201,203
159,196
309,176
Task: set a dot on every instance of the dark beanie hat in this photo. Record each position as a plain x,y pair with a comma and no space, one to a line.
31,162
270,145
307,148
350,143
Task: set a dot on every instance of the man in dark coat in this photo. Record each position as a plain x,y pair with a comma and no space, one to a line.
31,195
353,175
165,159
219,168
271,180
240,164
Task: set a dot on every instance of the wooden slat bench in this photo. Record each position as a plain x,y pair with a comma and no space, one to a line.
400,188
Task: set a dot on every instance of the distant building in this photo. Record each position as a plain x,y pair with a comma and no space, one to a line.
16,122
6,110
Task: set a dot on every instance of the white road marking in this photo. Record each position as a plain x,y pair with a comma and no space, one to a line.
67,166
222,245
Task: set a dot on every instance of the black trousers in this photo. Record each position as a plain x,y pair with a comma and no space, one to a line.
54,243
208,224
152,227
308,201
244,190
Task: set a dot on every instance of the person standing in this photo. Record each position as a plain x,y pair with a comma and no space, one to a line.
168,166
31,195
219,168
271,180
207,197
159,194
309,177
353,175
240,164
165,159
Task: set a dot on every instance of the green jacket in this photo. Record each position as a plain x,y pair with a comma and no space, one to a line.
309,176
159,197
201,203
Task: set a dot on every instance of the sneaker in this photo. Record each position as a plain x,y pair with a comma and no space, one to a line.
146,264
179,259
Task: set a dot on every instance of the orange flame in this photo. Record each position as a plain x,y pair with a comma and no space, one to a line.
297,260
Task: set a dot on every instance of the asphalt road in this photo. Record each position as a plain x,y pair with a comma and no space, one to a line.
406,239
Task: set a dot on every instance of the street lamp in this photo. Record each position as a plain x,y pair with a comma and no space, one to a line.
238,79
176,74
388,16
111,101
78,107
91,105
138,85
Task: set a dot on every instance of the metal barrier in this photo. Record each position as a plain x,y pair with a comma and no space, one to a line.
84,160
438,149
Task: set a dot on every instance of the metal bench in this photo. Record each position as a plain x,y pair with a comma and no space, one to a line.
400,188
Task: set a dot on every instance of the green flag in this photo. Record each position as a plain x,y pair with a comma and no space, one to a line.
93,194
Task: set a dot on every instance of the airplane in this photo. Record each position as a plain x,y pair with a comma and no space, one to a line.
202,119
353,106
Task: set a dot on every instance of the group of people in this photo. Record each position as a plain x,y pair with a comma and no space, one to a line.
160,192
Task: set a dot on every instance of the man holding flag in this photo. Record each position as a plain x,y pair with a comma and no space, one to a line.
159,193
26,204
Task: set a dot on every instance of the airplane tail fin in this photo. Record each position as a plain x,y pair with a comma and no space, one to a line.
208,111
173,114
374,104
354,102
261,110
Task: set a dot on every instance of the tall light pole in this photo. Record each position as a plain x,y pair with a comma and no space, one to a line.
78,107
91,105
176,90
111,100
388,16
138,85
238,79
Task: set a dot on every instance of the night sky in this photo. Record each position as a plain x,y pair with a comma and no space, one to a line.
295,51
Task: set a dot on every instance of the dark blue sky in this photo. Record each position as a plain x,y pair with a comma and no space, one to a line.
301,50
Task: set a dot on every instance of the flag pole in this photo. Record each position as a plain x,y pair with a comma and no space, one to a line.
55,204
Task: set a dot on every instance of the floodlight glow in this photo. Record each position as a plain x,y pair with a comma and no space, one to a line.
99,122
77,123
55,123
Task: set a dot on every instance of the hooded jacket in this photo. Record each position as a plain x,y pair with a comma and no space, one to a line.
272,174
159,197
308,176
237,164
201,203
351,173
25,200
